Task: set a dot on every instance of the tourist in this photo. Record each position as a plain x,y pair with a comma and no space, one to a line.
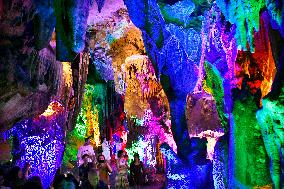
34,182
16,177
104,170
84,170
93,176
87,148
68,181
137,172
118,146
106,149
121,181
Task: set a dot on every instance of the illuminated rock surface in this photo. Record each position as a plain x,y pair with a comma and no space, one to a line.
217,67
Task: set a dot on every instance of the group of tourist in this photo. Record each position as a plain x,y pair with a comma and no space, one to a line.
94,172
94,175
17,178
137,173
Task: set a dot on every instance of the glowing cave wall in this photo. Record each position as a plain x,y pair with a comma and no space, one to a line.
221,61
118,53
233,62
40,142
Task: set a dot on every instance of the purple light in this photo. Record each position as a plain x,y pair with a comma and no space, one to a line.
44,159
41,144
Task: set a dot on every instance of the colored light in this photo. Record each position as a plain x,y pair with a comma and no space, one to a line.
44,158
53,107
41,142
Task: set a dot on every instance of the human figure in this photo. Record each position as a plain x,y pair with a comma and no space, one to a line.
137,172
26,170
121,181
34,182
93,176
68,181
118,146
104,170
2,180
106,149
84,170
17,177
87,148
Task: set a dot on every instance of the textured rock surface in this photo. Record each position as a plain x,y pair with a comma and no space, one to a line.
71,25
225,69
31,77
26,91
220,163
171,63
40,142
196,174
27,73
250,157
201,114
192,45
269,116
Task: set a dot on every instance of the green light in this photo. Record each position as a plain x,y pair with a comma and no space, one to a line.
80,130
245,14
213,84
251,160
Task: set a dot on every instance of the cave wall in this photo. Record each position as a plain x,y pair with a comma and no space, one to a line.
32,81
238,65
233,50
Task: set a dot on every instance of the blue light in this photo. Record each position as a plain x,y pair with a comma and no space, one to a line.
44,159
41,144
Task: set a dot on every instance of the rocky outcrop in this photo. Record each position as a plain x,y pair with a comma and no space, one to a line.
237,80
30,73
270,116
71,25
29,84
32,81
25,89
195,175
170,61
201,114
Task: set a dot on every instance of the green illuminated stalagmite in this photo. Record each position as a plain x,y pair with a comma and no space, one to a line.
250,158
94,96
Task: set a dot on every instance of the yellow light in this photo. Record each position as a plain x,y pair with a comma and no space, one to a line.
53,108
67,74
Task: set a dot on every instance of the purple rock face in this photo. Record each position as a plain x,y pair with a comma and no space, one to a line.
23,66
30,78
170,60
196,174
39,142
30,75
25,92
